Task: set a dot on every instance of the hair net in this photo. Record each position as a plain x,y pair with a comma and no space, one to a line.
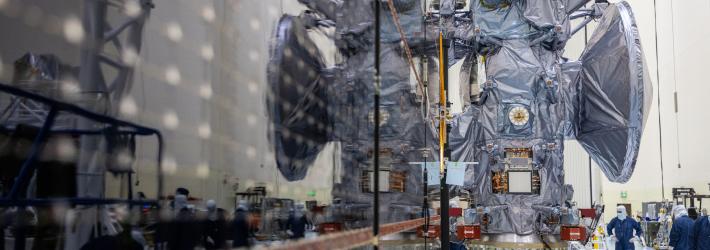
180,202
211,204
182,191
241,208
211,210
242,205
621,209
621,212
679,210
300,206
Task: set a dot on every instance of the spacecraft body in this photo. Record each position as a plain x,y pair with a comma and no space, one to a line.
312,104
531,100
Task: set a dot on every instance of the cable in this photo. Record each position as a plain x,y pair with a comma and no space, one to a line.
658,82
539,233
589,158
425,102
424,61
376,147
407,50
675,83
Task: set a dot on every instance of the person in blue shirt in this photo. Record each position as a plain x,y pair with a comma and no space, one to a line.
240,228
622,230
297,222
682,227
700,236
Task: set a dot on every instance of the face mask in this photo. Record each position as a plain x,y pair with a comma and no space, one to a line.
621,216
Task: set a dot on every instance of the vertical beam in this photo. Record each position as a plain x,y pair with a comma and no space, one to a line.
423,63
376,153
658,97
94,21
91,80
443,140
28,167
591,187
589,158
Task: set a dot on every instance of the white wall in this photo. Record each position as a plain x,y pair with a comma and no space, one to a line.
683,40
237,150
214,139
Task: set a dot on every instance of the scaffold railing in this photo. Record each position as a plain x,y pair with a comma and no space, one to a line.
111,125
352,238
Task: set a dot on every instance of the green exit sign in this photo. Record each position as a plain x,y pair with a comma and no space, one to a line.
312,193
624,194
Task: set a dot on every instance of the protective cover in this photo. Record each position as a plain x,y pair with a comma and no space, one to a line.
481,134
544,13
410,19
598,100
354,24
37,68
573,5
42,74
500,20
558,98
615,94
328,8
297,102
346,91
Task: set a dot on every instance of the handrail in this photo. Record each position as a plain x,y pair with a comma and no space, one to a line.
63,106
74,201
351,238
55,107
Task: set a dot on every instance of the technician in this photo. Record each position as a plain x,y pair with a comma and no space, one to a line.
622,230
682,227
700,237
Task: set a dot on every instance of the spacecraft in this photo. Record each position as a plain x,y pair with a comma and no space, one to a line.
519,108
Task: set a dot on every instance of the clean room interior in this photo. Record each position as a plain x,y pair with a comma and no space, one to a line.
220,124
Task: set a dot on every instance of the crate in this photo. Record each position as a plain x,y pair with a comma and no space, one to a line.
453,212
468,232
330,227
588,212
573,233
433,232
